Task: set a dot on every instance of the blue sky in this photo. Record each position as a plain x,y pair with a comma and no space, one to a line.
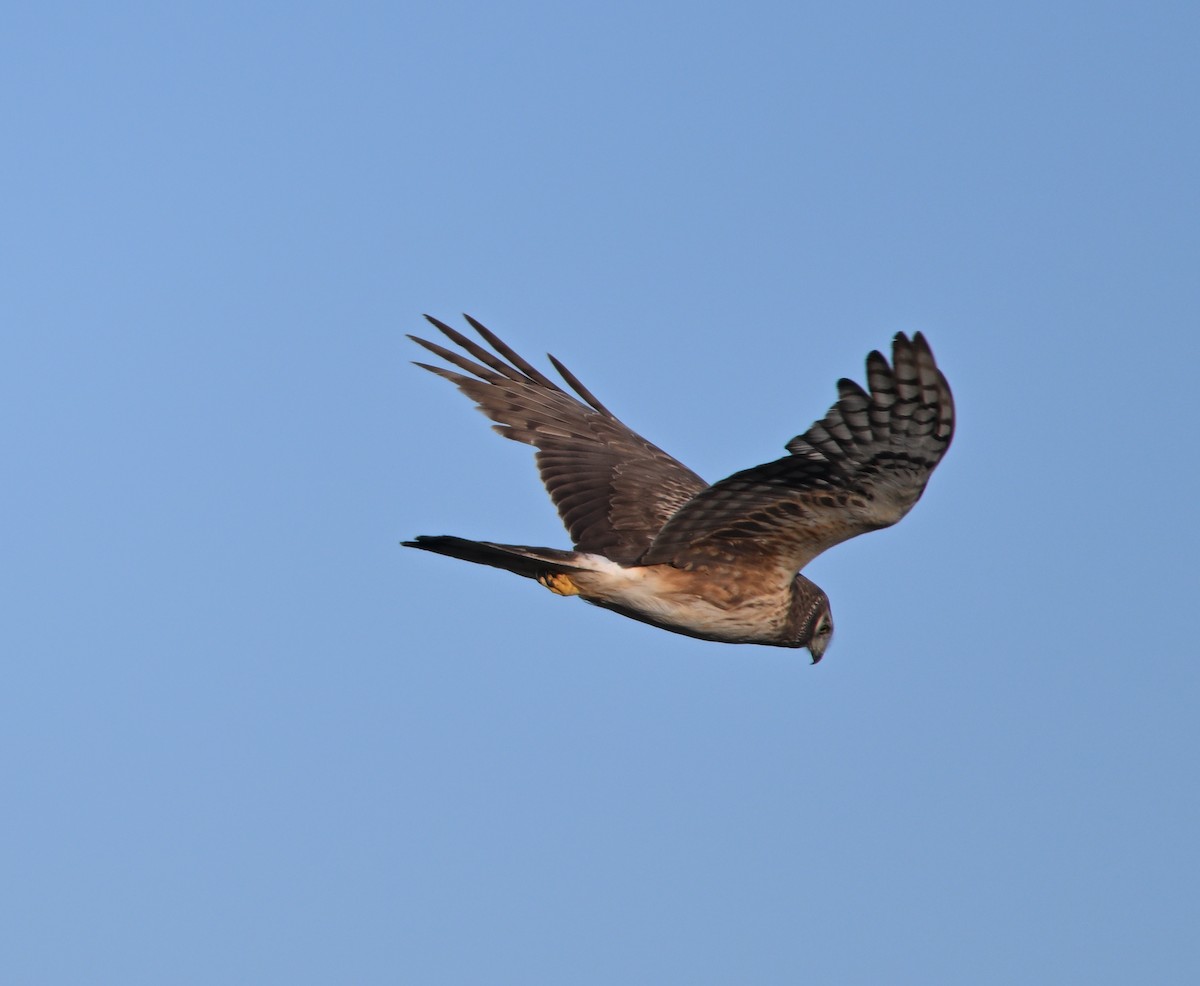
245,737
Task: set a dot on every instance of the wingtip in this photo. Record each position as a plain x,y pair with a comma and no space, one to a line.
905,349
496,342
438,324
484,331
918,341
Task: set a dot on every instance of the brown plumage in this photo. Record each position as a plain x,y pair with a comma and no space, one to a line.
654,542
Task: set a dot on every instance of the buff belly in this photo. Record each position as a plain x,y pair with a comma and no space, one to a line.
689,603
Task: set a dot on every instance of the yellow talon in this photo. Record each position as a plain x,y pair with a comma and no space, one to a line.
560,585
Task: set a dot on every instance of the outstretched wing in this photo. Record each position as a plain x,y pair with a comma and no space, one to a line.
858,469
614,490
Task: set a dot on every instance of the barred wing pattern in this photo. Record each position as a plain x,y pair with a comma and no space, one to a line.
860,468
613,489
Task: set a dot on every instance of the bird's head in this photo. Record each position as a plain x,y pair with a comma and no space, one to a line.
811,618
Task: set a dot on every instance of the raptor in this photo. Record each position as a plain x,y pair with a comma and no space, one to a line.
654,542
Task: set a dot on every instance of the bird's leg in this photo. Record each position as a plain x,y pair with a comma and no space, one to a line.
559,584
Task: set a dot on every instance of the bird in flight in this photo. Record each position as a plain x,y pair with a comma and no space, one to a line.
654,542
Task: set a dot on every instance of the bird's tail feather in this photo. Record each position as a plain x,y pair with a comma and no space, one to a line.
522,559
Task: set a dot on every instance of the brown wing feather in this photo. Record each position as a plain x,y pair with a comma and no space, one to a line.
613,489
860,468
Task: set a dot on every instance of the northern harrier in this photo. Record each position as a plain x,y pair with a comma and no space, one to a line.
656,543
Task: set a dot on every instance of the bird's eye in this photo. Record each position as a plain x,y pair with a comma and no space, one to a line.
824,629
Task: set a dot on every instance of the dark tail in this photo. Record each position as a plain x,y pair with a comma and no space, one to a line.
518,558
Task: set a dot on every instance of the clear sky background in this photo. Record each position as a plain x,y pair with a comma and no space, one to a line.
247,738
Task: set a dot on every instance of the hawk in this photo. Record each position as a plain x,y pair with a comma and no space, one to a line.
654,542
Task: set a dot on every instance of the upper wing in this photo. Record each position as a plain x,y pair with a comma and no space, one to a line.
613,489
860,468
